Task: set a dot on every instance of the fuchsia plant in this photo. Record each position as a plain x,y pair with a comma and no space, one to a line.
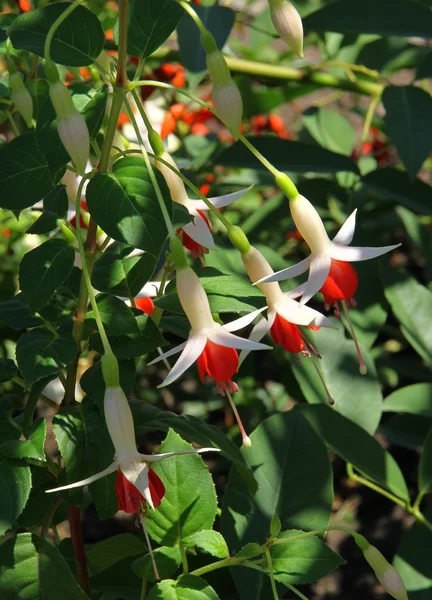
111,285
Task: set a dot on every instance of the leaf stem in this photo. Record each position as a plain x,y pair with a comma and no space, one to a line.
352,475
193,15
149,166
296,591
271,572
12,123
122,45
369,116
184,558
49,515
55,26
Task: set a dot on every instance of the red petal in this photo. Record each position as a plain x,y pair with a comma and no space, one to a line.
341,283
193,246
156,487
129,498
219,362
145,304
287,335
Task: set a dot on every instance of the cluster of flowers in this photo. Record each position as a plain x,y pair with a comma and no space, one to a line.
212,345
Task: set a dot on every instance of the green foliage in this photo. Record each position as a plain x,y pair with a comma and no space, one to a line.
15,480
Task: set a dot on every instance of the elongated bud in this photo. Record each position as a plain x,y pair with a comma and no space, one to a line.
309,224
174,182
386,574
118,417
238,239
258,267
71,126
288,24
110,370
226,95
194,299
21,98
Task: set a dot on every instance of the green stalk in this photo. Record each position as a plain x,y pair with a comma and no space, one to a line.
271,573
55,26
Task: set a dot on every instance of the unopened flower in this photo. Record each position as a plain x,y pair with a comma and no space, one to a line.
328,262
71,126
198,238
386,574
288,24
136,484
21,98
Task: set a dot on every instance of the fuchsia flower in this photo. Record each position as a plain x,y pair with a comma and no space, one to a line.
197,236
137,485
329,266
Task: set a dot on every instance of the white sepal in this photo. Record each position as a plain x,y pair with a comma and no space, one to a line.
356,254
346,232
193,349
258,332
288,273
157,457
220,201
167,354
113,467
243,321
219,335
291,311
199,231
318,273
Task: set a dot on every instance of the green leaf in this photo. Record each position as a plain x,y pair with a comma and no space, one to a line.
15,483
40,354
286,155
187,587
19,568
33,447
119,581
425,466
284,449
219,20
105,554
396,185
250,551
55,207
357,397
129,346
330,129
25,177
189,504
210,541
413,563
226,293
409,123
93,109
425,69
355,445
303,560
55,578
411,303
86,449
116,316
413,399
43,270
150,418
118,273
285,452
77,42
386,17
124,204
150,23
167,560
16,314
8,369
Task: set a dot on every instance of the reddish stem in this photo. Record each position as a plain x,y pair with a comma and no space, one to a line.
74,515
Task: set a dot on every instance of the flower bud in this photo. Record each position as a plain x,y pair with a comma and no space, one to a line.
309,224
386,574
238,239
218,68
71,126
229,106
258,267
21,98
173,181
288,24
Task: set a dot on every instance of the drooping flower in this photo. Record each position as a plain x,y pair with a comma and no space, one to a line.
329,261
386,574
210,344
288,24
146,304
198,238
137,485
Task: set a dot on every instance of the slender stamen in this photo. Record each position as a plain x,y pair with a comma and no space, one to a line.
320,375
363,368
309,345
147,539
246,439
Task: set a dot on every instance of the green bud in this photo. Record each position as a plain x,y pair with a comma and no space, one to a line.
156,143
69,235
110,370
178,255
21,98
287,186
275,526
238,239
51,71
386,574
218,68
